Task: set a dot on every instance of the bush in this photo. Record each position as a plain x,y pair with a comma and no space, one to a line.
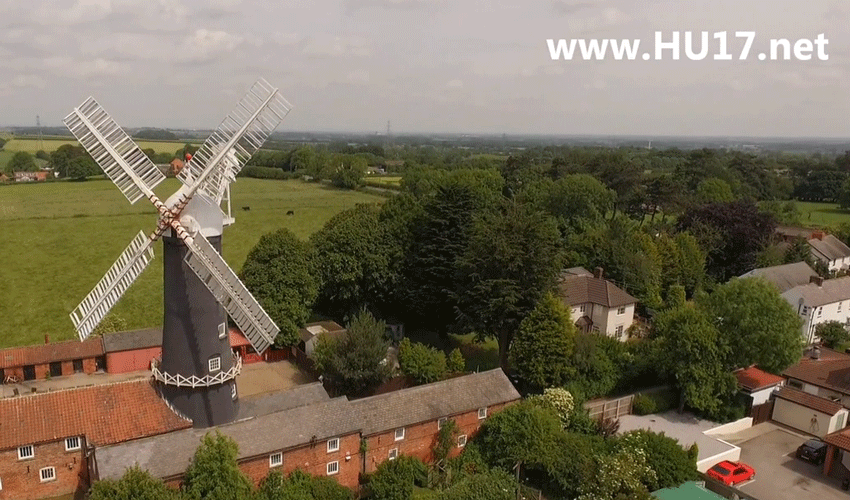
258,172
421,363
456,363
644,405
394,479
654,402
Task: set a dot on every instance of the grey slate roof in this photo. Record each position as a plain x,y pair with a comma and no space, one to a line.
830,247
784,277
265,404
433,401
136,339
169,454
834,290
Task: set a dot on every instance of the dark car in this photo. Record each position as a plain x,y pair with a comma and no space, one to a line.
813,450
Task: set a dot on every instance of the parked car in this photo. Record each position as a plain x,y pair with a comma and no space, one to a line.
813,450
731,473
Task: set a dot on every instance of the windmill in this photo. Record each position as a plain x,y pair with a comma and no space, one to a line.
196,374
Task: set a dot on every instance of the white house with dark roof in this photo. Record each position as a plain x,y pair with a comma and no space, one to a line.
830,250
820,301
597,305
786,276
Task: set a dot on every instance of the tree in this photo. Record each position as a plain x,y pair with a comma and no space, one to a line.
302,158
348,171
832,333
696,358
21,162
756,323
300,486
40,154
213,473
422,363
135,484
357,262
354,363
541,352
60,158
81,167
511,260
844,195
559,401
493,484
394,479
521,433
280,272
733,234
714,190
578,199
455,362
621,475
799,251
664,455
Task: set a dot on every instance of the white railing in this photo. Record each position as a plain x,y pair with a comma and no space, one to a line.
194,380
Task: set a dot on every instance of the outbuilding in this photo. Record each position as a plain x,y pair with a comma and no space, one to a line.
808,413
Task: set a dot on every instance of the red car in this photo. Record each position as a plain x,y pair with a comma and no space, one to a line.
731,472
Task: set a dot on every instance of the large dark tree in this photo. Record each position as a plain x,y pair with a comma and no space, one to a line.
280,273
512,259
21,162
733,234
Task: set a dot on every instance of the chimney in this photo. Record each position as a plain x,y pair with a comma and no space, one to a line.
816,280
46,338
817,235
597,273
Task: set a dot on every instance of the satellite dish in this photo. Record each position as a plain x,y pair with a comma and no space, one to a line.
197,369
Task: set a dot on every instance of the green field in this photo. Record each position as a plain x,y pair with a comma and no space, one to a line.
822,214
389,180
60,238
51,144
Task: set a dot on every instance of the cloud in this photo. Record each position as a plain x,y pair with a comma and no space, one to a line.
286,39
321,46
566,7
31,81
358,77
455,84
205,45
81,11
93,68
392,4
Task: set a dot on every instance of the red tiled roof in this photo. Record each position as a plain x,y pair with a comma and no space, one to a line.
45,353
753,379
831,370
237,339
104,414
840,439
816,403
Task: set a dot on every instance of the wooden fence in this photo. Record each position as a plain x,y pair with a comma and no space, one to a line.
610,408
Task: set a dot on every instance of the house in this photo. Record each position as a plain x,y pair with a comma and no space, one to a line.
831,251
32,176
176,166
786,276
133,350
325,436
757,385
312,331
822,372
809,413
597,304
52,359
46,438
820,301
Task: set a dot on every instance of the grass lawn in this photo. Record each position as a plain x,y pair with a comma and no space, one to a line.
390,180
52,144
60,238
821,214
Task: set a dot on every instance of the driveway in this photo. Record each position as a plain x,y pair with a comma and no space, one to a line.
260,378
770,449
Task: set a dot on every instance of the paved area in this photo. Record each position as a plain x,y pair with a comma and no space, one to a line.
684,427
68,382
260,378
770,449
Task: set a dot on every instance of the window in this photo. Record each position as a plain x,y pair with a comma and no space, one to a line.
839,307
595,328
25,452
482,413
72,443
399,434
795,384
47,474
1,485
56,369
581,308
333,445
840,420
276,459
619,331
222,330
805,310
621,311
393,454
461,441
215,364
820,311
78,366
441,422
333,468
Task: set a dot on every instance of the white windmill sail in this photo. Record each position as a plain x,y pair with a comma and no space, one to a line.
133,260
225,286
114,151
238,137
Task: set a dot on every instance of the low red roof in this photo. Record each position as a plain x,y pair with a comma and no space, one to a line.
237,339
816,403
104,414
55,351
754,379
840,439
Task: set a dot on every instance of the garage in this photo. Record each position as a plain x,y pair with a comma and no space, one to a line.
808,413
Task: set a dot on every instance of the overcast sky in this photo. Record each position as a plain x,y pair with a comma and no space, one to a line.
478,66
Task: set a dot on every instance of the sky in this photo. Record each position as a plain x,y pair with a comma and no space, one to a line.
454,66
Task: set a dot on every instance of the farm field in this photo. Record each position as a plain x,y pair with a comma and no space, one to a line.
382,179
60,238
822,214
30,145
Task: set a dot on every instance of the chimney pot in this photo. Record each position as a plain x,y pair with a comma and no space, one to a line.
598,273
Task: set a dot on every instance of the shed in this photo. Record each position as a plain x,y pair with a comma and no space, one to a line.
133,350
808,413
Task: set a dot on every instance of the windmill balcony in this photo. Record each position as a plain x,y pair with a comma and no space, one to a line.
195,381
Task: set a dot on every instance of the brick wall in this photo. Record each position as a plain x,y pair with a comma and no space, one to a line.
21,478
131,361
419,439
42,370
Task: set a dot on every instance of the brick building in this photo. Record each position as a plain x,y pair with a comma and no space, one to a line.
132,351
45,438
52,359
323,437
